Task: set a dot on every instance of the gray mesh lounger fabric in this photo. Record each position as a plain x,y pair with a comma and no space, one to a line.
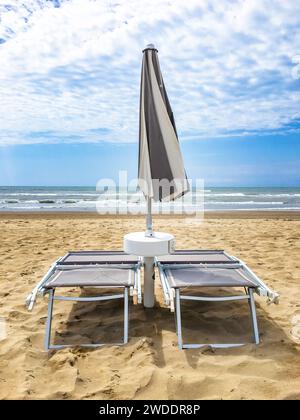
98,257
207,277
90,277
108,269
204,268
188,257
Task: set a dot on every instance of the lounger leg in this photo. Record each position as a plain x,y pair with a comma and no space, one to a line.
49,320
253,315
176,326
178,319
126,318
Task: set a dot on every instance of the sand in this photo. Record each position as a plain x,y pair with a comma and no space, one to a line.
150,366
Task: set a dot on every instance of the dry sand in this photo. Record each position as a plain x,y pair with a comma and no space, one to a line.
150,366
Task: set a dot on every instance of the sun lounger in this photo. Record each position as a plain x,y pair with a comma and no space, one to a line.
97,269
182,271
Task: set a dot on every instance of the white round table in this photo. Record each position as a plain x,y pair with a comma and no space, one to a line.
137,243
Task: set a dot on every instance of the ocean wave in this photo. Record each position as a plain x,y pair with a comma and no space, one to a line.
88,199
275,195
106,209
45,194
245,202
258,209
227,195
123,203
137,194
29,194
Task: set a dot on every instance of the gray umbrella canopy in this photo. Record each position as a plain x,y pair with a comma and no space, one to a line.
162,175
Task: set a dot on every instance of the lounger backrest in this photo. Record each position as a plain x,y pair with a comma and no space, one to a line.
98,257
197,256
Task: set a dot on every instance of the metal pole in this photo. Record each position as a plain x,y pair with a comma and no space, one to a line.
178,319
253,315
149,262
126,317
148,282
49,320
149,231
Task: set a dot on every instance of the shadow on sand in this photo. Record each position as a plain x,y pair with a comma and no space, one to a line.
204,322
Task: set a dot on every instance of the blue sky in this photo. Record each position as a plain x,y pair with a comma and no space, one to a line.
265,161
69,88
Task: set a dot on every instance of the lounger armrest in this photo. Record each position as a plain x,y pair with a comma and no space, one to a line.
272,297
262,289
31,298
29,302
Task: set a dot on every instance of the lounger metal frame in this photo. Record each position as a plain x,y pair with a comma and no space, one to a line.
52,298
40,290
247,296
173,296
261,288
59,264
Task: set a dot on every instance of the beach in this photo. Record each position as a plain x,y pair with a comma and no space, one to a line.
150,366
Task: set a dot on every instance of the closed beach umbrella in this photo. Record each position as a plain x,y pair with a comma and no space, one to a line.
161,174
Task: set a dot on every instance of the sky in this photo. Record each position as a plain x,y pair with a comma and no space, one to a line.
69,88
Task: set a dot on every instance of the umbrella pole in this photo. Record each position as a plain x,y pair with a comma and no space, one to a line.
149,298
149,262
149,231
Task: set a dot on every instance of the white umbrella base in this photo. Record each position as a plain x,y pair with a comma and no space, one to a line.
137,243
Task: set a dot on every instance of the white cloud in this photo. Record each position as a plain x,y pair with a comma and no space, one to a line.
71,73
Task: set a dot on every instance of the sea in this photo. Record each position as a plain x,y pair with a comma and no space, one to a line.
122,200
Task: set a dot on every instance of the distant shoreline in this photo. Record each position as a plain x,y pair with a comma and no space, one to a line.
232,214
